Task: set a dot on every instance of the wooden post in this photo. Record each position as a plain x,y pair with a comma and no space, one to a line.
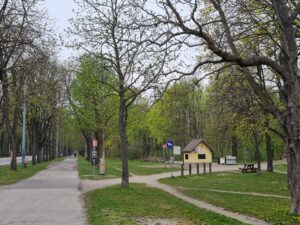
209,167
204,168
190,169
182,169
197,168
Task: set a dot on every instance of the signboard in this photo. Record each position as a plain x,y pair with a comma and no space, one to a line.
164,146
95,143
230,160
170,144
177,150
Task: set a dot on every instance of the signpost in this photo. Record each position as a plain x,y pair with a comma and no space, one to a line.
170,146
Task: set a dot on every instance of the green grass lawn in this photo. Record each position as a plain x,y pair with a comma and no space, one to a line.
87,171
271,209
281,167
113,168
8,176
116,205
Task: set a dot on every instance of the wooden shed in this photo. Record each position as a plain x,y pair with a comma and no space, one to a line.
197,151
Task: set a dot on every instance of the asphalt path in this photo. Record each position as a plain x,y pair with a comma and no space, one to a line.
51,197
6,161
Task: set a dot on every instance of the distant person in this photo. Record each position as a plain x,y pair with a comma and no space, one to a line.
75,155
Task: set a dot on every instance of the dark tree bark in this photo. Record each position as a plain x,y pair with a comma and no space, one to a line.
123,137
270,152
257,142
11,123
234,145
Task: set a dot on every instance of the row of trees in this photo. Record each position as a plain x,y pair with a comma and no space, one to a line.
235,126
135,50
256,41
29,74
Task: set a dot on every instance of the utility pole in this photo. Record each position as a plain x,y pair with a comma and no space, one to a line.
24,129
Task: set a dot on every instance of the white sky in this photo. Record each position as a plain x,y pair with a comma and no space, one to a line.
60,11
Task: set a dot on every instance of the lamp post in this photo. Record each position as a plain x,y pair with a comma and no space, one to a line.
24,129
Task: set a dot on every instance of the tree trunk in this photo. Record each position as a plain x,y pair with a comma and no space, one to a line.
234,145
11,129
257,150
270,153
33,144
123,137
39,153
292,125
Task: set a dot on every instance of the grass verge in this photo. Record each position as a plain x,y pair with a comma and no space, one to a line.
281,167
87,171
8,176
270,209
140,204
113,168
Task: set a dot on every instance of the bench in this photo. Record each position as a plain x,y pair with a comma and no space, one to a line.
249,168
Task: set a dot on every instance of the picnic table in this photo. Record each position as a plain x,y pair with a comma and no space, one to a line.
249,168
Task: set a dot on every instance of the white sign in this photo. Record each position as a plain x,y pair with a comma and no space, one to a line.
177,150
230,160
95,143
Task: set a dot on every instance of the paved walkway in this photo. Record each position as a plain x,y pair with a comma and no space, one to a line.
51,197
6,161
235,192
152,180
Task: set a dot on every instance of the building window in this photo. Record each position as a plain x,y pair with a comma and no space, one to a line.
201,156
186,156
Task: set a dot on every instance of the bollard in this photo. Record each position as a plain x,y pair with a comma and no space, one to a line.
197,168
210,167
204,168
190,169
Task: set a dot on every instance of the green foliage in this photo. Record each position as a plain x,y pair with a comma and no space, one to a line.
71,131
178,115
93,102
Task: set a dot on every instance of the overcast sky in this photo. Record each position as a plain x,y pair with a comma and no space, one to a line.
60,11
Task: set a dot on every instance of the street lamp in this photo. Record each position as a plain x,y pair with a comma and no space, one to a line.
24,128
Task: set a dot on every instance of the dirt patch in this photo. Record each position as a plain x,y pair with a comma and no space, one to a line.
162,221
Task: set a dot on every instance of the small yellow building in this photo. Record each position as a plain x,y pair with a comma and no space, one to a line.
197,151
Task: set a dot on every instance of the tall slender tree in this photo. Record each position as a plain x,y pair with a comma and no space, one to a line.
108,29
